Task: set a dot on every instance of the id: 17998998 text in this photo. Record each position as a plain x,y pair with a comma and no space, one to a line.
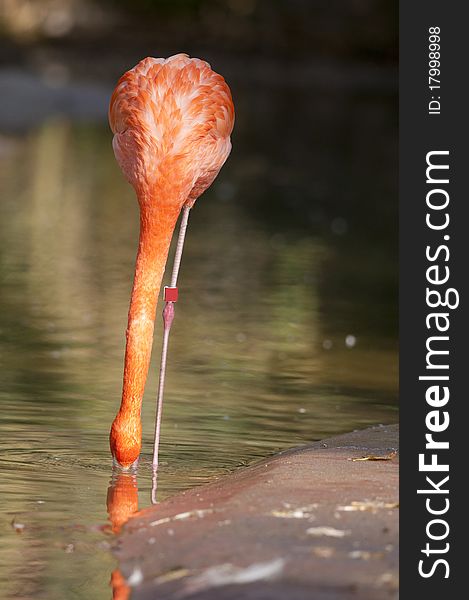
434,71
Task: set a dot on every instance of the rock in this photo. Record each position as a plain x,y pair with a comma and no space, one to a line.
306,523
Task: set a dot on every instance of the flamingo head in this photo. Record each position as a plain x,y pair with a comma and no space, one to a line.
126,440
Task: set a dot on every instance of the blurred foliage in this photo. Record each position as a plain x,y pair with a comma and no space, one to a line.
365,29
163,6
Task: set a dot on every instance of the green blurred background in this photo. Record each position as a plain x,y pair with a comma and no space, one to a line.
287,327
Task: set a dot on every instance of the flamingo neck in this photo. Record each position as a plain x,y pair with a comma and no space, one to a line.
156,230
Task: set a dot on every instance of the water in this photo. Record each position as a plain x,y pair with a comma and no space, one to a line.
285,331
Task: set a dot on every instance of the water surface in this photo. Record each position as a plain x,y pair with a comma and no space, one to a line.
285,331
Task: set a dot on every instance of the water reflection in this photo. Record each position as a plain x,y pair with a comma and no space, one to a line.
120,589
122,498
121,503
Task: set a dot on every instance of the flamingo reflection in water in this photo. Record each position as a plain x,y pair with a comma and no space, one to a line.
122,503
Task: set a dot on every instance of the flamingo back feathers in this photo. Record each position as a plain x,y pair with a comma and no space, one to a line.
172,119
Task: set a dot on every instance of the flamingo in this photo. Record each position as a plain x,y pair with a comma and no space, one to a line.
172,120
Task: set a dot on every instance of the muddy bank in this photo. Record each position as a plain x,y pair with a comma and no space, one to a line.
308,523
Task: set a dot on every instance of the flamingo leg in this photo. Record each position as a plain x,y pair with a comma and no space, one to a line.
168,316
